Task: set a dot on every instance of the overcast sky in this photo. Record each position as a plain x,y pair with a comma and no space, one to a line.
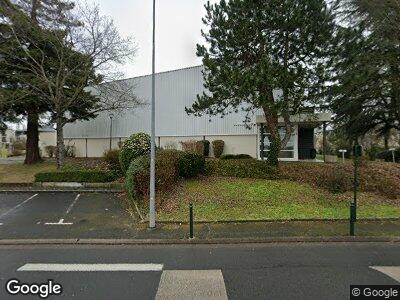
178,30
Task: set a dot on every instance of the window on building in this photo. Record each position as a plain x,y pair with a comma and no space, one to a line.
287,152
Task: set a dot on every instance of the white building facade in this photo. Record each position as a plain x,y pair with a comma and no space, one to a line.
175,90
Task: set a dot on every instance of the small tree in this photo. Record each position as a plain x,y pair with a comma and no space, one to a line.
256,48
70,66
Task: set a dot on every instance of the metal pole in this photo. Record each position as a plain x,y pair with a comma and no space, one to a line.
110,133
191,220
152,210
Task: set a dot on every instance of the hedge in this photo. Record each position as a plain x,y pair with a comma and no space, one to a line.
76,176
235,156
242,168
137,177
190,164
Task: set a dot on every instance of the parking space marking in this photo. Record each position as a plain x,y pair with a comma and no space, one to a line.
61,222
18,206
72,204
91,267
391,271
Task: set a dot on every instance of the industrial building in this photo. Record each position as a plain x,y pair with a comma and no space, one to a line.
176,90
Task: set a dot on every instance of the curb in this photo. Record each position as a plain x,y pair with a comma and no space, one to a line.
271,240
277,221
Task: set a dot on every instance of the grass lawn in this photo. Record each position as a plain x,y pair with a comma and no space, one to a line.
216,198
20,173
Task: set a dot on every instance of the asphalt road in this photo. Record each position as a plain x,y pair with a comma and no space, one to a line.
66,215
247,271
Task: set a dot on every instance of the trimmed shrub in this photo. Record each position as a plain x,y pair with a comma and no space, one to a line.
19,144
218,146
235,156
136,145
336,181
190,164
76,176
138,174
242,168
50,151
111,158
206,152
373,152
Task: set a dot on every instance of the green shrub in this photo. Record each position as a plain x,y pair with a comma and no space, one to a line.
218,146
372,153
136,145
69,151
111,158
50,150
76,176
336,181
137,177
193,146
19,144
235,156
243,168
190,164
206,152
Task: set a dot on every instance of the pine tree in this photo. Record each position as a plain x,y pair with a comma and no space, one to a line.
46,14
366,93
255,48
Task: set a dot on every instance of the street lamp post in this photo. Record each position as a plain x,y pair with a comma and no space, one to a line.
152,210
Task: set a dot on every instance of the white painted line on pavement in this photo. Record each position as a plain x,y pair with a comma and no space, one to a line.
61,222
91,267
18,206
392,271
192,284
72,204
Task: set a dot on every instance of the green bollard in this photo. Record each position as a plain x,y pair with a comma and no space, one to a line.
191,220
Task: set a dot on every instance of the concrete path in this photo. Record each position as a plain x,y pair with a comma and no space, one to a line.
247,271
12,160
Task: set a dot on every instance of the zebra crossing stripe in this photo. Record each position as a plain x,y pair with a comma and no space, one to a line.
192,284
393,272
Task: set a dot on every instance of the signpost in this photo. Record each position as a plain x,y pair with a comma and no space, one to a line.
343,151
393,154
357,151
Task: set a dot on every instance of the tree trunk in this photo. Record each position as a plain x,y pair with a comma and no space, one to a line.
32,155
60,144
274,137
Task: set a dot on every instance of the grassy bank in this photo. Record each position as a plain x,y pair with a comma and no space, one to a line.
217,198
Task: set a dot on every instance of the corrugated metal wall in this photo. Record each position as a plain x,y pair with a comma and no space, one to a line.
174,91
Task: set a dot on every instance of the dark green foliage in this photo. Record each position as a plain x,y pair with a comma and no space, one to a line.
190,164
388,155
206,148
243,168
218,147
336,181
235,156
76,176
366,95
136,145
373,151
256,47
111,157
138,174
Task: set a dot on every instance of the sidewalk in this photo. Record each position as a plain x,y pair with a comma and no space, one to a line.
260,230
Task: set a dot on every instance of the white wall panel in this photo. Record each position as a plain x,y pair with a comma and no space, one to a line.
174,91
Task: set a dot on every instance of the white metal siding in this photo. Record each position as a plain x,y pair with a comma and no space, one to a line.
174,91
